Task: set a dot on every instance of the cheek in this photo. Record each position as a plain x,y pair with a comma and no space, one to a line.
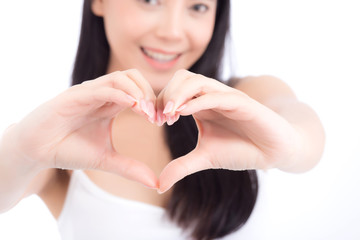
123,32
200,37
200,30
135,25
203,40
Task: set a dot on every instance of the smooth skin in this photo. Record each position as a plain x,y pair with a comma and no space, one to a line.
114,123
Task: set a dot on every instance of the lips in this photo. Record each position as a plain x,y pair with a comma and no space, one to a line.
159,55
159,59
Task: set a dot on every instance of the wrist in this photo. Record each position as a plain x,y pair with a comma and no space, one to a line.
304,154
296,152
11,156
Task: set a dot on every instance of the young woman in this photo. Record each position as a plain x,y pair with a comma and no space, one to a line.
141,64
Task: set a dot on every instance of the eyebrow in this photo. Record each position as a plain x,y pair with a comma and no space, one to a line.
211,1
207,0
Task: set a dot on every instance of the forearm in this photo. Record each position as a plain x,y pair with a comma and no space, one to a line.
15,174
276,95
311,134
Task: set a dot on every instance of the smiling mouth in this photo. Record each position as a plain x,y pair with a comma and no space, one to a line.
160,57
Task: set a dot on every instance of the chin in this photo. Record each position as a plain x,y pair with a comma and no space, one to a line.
158,83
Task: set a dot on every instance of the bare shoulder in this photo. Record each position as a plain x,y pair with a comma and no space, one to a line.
51,186
262,88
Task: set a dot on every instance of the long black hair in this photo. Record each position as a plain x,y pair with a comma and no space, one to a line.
211,203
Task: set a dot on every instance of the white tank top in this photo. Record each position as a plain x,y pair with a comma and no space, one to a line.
90,213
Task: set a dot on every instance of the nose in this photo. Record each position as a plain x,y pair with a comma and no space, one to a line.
171,26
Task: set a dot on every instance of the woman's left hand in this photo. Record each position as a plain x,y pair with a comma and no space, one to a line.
235,131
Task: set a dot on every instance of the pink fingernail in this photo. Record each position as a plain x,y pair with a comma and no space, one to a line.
182,107
131,98
171,120
160,192
151,110
144,107
163,119
151,120
158,119
168,108
177,116
150,186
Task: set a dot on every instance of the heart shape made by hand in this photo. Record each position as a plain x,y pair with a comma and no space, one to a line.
148,137
234,131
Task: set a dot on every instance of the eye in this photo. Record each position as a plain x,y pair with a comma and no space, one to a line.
200,8
150,2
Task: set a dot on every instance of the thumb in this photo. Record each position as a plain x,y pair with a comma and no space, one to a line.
179,168
131,169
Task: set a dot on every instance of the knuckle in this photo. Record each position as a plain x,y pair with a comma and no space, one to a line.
87,82
241,95
133,71
212,163
185,167
181,72
116,75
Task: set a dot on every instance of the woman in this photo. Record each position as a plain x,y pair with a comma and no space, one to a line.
141,64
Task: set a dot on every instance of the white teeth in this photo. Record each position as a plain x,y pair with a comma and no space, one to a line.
160,56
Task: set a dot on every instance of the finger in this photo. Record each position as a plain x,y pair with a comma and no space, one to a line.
170,120
111,95
130,169
132,83
173,89
81,101
140,107
112,101
160,117
142,83
118,80
179,91
147,104
237,106
177,80
179,168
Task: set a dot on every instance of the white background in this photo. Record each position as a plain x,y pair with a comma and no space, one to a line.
313,45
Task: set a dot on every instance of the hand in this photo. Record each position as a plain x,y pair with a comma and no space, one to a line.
235,131
73,130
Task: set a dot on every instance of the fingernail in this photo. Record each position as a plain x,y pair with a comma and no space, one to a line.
150,187
160,192
132,99
177,116
144,107
171,120
158,119
151,110
151,120
181,108
167,120
163,119
168,108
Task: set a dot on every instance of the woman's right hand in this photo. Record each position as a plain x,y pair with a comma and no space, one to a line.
73,130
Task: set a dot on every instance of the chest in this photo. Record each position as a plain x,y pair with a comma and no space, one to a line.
127,189
92,213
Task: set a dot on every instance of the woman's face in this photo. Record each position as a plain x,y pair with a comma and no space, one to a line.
156,37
